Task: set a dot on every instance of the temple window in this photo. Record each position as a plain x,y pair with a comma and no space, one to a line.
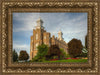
44,37
36,36
36,46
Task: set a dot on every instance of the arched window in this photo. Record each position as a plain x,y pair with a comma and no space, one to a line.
36,46
44,37
36,36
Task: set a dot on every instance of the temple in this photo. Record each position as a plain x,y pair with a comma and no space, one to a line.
40,36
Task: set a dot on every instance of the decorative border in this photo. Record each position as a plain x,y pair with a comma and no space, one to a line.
90,7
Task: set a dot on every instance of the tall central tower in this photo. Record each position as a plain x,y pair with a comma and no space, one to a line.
60,35
37,38
39,24
41,36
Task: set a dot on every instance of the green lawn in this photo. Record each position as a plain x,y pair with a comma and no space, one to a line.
69,60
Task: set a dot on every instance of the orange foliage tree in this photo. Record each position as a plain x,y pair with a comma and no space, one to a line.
75,47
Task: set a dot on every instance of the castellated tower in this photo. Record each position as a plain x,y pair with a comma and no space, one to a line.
40,36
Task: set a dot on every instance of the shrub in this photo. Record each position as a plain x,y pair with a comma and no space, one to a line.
55,57
35,59
68,55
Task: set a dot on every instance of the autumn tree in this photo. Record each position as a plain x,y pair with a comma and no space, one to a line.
54,50
23,55
15,56
75,47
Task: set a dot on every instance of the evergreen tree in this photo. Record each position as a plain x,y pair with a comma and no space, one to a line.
15,56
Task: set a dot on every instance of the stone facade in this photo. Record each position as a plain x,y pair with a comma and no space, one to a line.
41,36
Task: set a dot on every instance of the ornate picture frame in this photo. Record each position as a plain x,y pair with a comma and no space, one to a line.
8,7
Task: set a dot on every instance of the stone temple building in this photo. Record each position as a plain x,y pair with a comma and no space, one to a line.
40,36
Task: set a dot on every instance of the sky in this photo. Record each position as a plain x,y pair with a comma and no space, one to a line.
72,25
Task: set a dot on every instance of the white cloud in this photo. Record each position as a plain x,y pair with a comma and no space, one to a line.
28,21
79,18
70,26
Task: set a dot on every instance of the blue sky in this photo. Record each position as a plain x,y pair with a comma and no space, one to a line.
73,25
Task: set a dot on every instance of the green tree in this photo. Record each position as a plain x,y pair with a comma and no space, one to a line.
54,50
42,51
23,55
63,53
15,56
75,47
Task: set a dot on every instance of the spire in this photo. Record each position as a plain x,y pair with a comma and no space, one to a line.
39,23
60,35
40,20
